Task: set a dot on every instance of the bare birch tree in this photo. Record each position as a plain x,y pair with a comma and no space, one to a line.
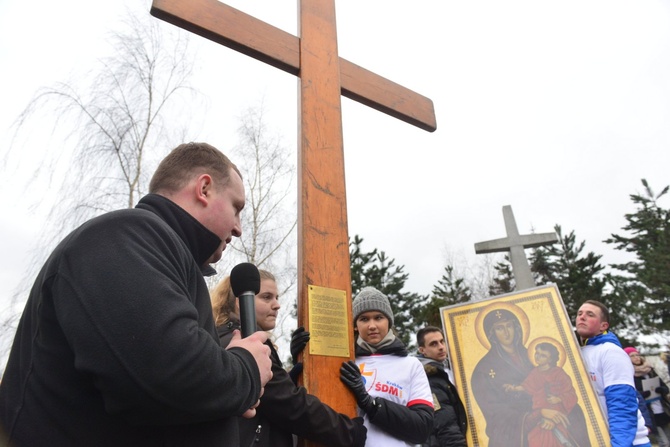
114,131
117,124
269,218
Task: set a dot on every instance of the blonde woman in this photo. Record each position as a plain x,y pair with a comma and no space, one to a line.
285,409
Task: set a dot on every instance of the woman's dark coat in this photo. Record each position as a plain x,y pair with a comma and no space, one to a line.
287,409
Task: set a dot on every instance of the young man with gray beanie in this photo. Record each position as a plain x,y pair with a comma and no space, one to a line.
390,387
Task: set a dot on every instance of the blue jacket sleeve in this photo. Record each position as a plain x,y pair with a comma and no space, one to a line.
621,403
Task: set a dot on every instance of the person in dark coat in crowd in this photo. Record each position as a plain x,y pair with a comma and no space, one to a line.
665,357
117,344
450,418
644,370
285,409
648,420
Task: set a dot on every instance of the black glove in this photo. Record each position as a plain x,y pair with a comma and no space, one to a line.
350,375
646,394
299,340
663,390
295,372
360,433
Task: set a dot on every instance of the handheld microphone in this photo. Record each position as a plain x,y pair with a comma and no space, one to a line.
246,283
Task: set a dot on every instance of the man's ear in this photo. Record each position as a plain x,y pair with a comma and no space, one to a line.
421,350
604,325
204,188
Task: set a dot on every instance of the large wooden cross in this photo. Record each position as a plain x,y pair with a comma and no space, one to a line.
323,240
516,244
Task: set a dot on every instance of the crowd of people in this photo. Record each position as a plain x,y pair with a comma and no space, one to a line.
654,392
122,343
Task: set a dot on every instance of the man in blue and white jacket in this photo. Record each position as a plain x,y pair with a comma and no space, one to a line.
611,373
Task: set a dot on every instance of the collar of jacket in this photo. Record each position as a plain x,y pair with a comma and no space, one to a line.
201,242
431,366
605,337
229,326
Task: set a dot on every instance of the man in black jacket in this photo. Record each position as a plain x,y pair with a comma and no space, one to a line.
117,343
450,417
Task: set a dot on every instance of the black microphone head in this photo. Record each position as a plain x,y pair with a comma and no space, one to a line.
244,277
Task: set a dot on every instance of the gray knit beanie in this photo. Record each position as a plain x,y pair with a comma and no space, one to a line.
370,298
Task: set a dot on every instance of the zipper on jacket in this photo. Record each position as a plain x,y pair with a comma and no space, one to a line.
257,436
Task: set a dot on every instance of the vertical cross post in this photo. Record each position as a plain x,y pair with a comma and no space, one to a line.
323,241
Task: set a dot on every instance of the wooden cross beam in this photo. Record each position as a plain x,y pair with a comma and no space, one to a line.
516,244
234,29
323,240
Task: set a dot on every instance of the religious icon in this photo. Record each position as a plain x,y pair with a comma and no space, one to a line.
551,388
521,376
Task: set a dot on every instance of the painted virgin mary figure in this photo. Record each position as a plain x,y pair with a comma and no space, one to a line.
506,362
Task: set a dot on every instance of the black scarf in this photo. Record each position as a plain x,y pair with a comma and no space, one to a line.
395,348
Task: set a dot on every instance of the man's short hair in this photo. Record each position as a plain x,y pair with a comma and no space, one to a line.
421,335
188,160
604,311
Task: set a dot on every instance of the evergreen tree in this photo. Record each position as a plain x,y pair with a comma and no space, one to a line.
452,289
578,277
117,120
361,265
503,280
644,283
541,266
408,318
622,298
449,290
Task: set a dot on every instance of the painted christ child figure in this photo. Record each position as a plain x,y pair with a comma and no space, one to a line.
557,420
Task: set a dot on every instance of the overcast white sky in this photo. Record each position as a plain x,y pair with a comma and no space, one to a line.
557,108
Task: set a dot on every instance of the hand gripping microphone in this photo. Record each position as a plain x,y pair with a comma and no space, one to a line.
246,283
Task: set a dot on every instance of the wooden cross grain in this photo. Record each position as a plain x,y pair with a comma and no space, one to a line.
323,240
516,244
